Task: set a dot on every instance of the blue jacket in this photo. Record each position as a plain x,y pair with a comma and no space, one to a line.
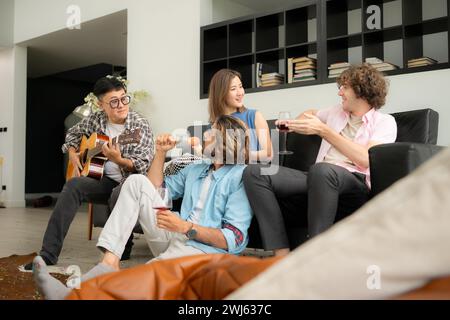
226,203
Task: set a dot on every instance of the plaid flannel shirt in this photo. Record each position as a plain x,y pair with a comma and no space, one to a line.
140,154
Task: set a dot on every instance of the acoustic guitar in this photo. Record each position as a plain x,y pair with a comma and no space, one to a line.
91,156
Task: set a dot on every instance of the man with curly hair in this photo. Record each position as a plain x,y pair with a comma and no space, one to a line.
348,131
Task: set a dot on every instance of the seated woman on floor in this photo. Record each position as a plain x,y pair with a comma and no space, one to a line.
214,217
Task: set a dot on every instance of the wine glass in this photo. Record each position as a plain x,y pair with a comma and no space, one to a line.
162,200
283,116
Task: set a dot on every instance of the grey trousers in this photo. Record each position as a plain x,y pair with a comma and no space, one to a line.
74,192
324,183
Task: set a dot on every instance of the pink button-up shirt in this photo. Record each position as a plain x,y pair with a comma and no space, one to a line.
376,127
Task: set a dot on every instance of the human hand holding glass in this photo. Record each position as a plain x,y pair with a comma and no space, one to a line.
283,117
162,200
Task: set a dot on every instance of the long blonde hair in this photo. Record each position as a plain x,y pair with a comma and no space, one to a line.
232,140
218,91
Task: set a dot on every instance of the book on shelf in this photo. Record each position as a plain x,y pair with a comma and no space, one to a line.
272,75
337,71
385,66
271,83
304,59
297,67
305,73
421,62
304,79
334,75
258,74
338,65
290,70
271,79
301,76
423,59
373,60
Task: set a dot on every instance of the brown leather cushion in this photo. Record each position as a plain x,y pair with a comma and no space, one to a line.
205,277
201,277
438,289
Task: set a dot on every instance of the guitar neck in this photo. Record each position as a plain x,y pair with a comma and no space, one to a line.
98,149
123,139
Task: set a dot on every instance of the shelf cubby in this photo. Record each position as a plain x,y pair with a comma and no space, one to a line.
209,69
268,30
345,49
273,61
429,38
245,65
301,25
305,50
241,38
386,45
343,17
215,43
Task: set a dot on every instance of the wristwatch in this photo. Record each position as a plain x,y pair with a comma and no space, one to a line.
192,233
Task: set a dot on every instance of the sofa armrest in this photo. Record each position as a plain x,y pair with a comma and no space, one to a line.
393,161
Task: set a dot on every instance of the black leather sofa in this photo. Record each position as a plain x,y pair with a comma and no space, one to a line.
416,143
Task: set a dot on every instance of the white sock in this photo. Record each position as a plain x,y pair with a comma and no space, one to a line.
50,287
96,271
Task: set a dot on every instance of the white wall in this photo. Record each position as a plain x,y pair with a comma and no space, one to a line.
6,23
6,91
13,115
37,18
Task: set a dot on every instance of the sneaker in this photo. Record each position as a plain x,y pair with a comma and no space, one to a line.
29,266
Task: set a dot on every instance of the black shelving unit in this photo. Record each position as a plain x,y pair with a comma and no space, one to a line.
245,66
330,31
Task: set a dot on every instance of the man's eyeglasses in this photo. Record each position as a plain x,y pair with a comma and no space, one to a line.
114,103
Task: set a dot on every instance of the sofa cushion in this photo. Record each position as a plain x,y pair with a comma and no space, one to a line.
419,126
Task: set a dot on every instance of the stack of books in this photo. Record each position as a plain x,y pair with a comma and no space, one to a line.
302,69
271,79
336,69
381,65
421,62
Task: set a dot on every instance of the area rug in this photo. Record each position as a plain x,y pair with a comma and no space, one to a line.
17,285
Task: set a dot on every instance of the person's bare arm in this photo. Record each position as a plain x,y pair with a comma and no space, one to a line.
310,111
264,140
164,143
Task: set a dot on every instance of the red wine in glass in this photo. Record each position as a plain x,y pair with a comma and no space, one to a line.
160,208
283,116
282,127
162,200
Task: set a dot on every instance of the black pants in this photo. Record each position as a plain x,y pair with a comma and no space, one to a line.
324,183
74,192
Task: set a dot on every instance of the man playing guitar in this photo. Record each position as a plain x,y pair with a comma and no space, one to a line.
114,119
